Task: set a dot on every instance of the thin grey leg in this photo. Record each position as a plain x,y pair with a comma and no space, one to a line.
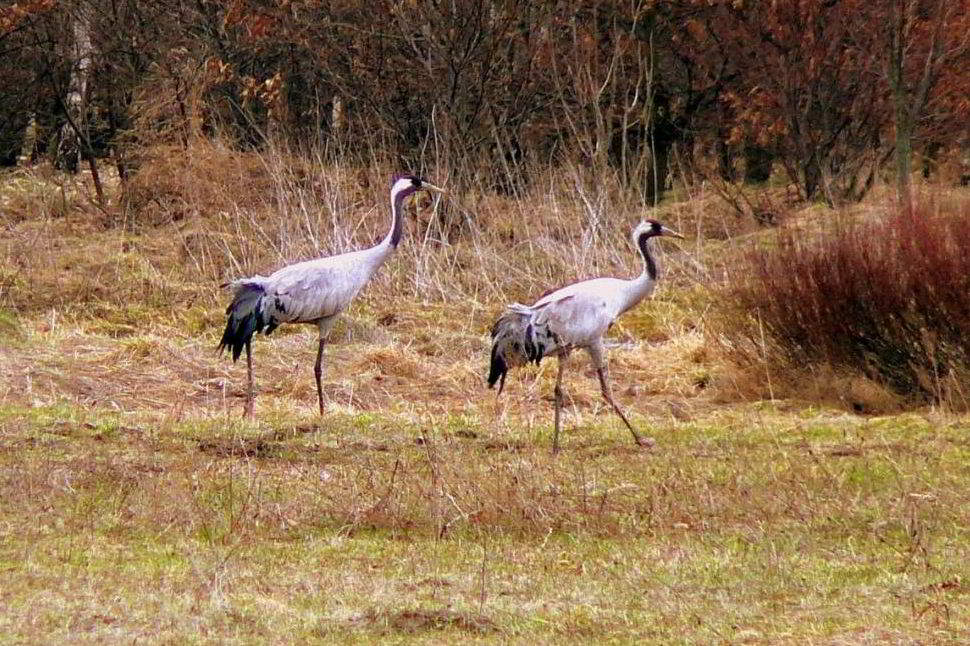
317,372
608,396
251,394
559,400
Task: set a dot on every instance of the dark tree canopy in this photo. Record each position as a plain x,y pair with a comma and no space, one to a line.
478,86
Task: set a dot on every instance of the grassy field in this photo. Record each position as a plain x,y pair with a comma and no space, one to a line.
136,505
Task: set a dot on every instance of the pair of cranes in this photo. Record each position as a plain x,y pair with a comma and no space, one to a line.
317,291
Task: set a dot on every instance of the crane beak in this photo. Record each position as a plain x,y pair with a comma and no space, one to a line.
432,187
672,233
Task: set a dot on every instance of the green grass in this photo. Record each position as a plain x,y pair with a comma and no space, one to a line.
750,526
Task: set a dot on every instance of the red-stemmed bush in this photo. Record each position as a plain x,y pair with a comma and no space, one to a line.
889,297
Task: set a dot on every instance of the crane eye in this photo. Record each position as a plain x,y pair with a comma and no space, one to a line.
415,182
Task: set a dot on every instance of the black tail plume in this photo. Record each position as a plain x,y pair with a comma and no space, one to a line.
514,343
497,370
245,317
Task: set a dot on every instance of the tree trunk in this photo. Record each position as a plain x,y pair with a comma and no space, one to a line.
662,134
904,150
931,156
725,159
29,146
338,117
909,98
657,172
757,164
811,176
901,114
71,142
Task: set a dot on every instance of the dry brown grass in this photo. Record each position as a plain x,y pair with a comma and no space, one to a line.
156,279
136,504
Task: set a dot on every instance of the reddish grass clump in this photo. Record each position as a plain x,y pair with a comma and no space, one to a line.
889,297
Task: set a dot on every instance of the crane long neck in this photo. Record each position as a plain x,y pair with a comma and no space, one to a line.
649,264
640,287
393,236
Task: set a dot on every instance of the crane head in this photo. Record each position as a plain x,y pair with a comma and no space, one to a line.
403,185
654,228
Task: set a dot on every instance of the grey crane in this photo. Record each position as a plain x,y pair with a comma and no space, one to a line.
314,291
575,316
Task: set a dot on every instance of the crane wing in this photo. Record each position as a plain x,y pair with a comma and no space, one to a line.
305,293
576,319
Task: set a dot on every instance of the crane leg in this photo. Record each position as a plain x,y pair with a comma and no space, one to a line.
317,372
559,400
603,374
250,394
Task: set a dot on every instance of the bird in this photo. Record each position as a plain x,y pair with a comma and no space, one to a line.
573,317
313,291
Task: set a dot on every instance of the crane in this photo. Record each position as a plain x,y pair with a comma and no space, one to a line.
313,291
575,316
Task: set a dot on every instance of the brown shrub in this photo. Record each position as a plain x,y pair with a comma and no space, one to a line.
889,297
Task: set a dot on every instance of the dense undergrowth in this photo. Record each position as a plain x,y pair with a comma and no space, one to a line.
887,296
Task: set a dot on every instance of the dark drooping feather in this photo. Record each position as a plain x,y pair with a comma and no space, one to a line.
516,341
245,317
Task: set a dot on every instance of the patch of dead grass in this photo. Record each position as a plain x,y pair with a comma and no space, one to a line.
411,621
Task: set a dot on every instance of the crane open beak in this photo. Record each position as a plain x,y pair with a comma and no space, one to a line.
431,187
670,232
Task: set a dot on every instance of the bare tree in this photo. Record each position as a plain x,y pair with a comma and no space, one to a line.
74,134
923,38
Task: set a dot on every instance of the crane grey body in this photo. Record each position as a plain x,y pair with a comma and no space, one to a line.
313,291
574,317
